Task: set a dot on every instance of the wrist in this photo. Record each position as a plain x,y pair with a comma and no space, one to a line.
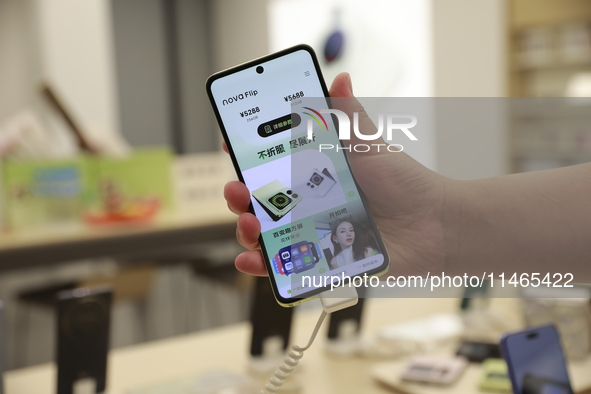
460,211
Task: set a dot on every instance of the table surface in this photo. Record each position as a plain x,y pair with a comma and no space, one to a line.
389,372
211,222
227,349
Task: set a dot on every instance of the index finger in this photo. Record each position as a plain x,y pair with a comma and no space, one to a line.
238,197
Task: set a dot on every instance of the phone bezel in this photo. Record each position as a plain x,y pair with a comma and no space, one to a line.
290,302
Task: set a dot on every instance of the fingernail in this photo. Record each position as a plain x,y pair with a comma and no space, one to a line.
350,83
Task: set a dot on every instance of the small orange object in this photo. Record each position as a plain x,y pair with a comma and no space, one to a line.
137,211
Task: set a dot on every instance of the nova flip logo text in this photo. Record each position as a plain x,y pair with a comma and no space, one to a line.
240,96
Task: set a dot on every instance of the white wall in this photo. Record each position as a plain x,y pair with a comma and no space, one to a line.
387,51
469,39
387,43
469,48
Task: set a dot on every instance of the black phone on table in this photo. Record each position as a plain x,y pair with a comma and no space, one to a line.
263,114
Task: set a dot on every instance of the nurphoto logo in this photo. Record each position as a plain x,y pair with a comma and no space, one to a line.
392,124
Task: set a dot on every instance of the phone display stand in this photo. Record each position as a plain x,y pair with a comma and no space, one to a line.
85,386
272,356
83,325
344,339
271,329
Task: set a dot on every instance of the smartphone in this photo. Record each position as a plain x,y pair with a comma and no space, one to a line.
264,117
434,370
536,362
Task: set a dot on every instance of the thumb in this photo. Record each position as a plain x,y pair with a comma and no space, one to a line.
341,94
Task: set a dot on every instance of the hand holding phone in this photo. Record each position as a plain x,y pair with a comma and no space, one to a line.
266,121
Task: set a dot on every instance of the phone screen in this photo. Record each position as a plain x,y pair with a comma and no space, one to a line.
536,362
314,221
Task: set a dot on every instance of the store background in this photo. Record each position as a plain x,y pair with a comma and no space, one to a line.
132,73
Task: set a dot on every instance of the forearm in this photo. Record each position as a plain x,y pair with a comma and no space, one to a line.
530,222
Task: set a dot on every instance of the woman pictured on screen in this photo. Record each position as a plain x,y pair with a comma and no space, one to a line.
349,245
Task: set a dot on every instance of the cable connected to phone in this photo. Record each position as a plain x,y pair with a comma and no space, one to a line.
340,298
291,360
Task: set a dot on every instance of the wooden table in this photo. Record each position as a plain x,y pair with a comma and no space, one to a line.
169,234
389,373
227,349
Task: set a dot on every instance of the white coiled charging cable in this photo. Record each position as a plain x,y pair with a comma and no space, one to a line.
334,300
291,361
